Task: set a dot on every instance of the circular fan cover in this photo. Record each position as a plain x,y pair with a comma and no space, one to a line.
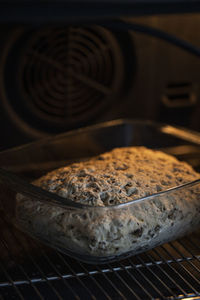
63,77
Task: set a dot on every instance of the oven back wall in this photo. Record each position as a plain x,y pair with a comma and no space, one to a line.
54,79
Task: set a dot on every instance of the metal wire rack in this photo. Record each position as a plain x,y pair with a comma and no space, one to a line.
29,270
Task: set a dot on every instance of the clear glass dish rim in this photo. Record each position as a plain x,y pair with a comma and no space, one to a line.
167,191
120,205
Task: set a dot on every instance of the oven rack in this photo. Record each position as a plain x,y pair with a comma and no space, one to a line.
29,270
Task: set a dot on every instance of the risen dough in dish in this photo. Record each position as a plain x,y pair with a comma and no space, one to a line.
112,178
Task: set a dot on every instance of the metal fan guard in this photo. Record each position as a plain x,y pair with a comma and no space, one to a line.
63,78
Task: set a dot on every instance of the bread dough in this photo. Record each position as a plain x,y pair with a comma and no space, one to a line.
106,228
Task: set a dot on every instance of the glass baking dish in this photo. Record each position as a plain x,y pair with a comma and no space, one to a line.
97,234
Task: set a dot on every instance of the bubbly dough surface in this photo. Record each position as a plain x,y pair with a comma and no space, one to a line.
118,176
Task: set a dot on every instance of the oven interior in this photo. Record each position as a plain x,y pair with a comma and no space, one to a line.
55,78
